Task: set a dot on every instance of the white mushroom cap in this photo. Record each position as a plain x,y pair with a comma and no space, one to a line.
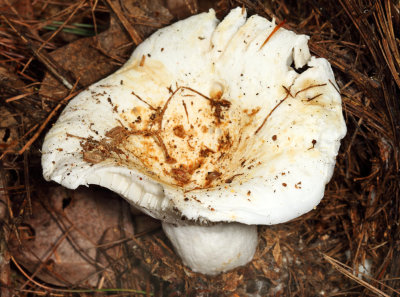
203,122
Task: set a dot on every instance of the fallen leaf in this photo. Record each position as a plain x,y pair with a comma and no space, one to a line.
93,58
232,280
182,8
73,237
88,59
276,252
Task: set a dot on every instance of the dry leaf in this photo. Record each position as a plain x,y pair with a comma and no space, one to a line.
75,234
232,281
88,59
271,275
182,8
276,252
93,58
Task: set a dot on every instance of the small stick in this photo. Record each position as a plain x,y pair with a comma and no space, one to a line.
18,97
141,64
125,23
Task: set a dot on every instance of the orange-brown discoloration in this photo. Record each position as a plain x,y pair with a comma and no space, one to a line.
199,152
179,131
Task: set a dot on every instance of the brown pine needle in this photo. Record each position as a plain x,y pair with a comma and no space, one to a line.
14,144
272,110
72,291
349,272
17,97
125,22
46,121
310,87
78,6
272,33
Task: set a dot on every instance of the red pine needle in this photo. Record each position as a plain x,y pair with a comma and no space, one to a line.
273,32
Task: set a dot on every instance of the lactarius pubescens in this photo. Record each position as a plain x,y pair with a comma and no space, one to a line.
209,128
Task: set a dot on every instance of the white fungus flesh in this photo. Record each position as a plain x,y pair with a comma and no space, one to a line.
213,249
207,123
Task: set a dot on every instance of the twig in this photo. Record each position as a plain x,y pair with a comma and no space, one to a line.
14,98
124,21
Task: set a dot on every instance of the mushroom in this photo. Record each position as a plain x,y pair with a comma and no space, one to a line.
213,128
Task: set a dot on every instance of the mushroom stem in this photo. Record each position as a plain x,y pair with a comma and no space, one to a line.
213,249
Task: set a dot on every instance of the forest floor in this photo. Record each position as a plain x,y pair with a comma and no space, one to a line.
53,244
